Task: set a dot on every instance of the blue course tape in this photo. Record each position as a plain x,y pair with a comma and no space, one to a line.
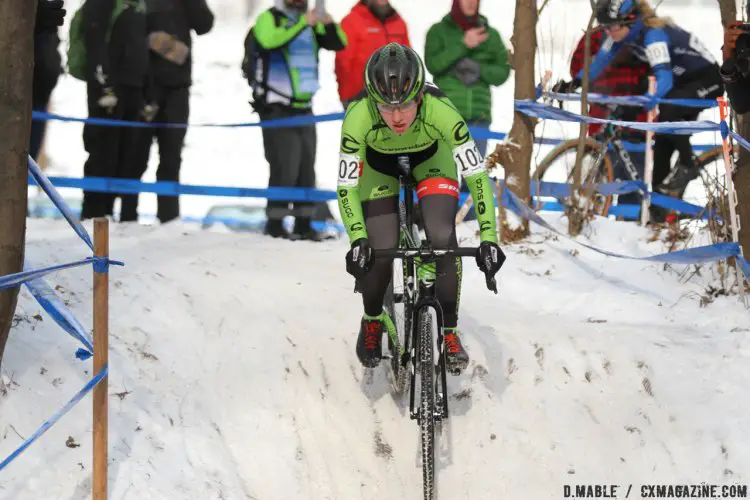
17,279
744,266
633,100
59,312
550,189
478,133
549,112
164,188
54,418
698,255
741,140
41,179
294,121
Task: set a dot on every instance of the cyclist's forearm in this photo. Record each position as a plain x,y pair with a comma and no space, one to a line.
350,208
664,81
480,187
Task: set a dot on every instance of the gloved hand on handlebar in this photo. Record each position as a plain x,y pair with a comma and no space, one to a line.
359,258
563,87
490,258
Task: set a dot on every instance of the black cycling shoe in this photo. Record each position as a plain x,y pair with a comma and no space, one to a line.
675,183
369,342
456,357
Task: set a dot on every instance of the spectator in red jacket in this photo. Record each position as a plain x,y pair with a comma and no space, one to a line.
370,25
625,76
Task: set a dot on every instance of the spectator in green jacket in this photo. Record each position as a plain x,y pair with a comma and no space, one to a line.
466,57
281,65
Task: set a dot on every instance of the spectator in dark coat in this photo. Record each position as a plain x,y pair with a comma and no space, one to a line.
47,65
115,72
169,23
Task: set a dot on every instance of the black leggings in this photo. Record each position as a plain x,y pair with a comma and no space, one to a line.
438,217
707,85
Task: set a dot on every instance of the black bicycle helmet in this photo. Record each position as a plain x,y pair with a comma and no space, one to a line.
610,12
394,74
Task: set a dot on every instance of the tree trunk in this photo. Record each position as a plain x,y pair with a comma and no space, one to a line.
520,143
17,54
728,10
742,187
580,207
741,179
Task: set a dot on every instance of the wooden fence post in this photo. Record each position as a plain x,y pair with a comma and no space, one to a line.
101,359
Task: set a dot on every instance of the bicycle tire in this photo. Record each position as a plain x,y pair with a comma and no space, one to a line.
590,146
427,403
702,161
711,156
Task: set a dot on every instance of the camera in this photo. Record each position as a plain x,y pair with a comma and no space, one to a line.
742,49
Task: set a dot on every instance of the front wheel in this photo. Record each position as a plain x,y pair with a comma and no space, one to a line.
559,164
427,403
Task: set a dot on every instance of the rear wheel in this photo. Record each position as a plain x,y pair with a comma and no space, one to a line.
397,305
559,164
702,188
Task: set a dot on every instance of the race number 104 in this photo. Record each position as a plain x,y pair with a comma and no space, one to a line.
702,490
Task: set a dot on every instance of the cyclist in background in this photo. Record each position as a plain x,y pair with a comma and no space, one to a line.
625,75
399,115
683,67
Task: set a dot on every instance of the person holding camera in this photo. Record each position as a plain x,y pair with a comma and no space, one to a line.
735,71
466,57
281,67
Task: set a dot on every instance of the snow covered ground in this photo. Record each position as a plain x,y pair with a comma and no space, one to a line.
233,375
232,366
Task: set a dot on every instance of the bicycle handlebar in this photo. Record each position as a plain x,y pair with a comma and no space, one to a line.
426,253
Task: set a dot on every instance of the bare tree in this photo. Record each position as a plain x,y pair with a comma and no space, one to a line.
515,153
580,207
742,177
728,10
17,50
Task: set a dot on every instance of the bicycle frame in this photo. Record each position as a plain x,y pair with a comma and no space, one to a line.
611,137
422,296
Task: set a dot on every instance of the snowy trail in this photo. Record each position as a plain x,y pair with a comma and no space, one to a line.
234,376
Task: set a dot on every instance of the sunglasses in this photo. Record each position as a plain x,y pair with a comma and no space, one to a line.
390,108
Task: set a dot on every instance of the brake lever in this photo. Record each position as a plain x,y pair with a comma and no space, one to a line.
491,283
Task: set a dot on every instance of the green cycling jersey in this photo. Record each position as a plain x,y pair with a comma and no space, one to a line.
438,145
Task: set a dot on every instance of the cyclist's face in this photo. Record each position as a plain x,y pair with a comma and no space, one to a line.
399,118
469,7
618,32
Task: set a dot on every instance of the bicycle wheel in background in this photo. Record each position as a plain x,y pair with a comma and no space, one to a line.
711,165
559,164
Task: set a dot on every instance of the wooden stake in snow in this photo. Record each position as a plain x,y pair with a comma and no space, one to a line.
648,173
734,221
101,358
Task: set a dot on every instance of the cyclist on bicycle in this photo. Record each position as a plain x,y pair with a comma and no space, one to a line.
399,115
683,67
